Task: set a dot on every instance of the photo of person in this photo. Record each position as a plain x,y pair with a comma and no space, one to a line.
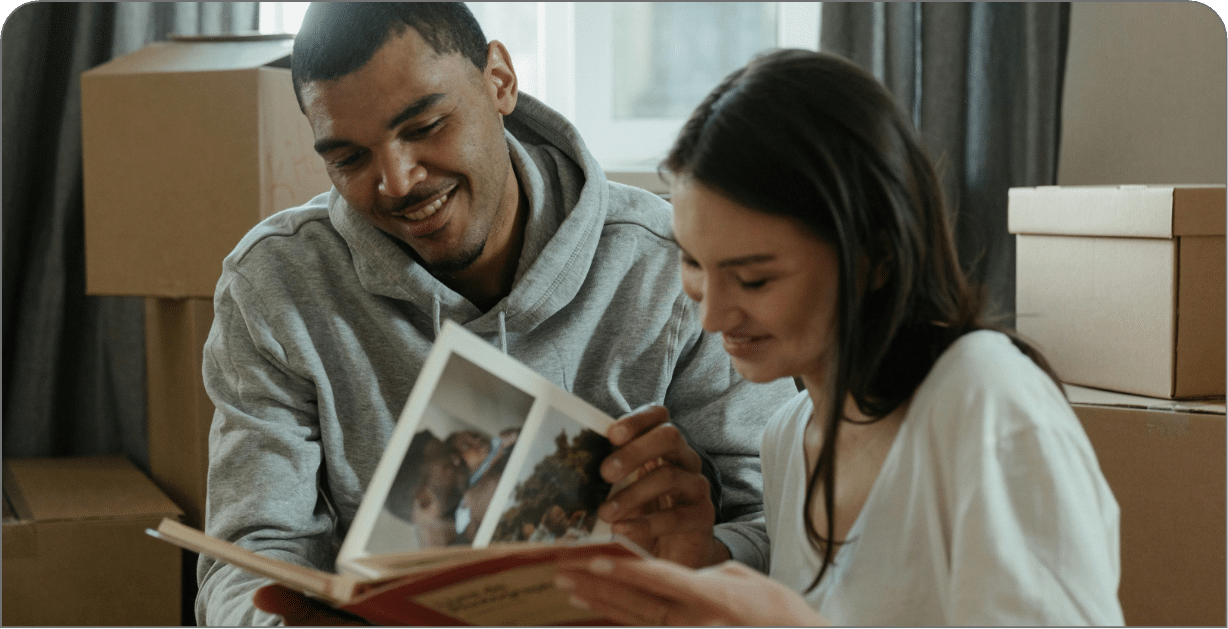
428,489
557,497
444,486
453,462
485,458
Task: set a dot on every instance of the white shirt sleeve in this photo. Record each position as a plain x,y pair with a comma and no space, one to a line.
1033,542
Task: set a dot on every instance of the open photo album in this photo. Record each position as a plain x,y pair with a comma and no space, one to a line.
489,478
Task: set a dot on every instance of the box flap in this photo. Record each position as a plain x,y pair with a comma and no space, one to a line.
20,538
1142,211
79,488
1198,211
1099,397
198,56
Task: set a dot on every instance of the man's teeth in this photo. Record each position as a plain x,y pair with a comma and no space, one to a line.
428,210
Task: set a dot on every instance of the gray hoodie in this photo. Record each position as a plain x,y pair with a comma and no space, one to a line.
322,323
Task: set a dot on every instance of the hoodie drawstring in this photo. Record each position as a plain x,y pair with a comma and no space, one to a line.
437,322
503,331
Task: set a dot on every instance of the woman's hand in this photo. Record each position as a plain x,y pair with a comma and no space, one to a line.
661,499
654,592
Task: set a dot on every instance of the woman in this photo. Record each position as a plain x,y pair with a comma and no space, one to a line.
932,472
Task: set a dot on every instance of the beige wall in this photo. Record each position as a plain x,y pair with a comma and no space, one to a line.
1144,97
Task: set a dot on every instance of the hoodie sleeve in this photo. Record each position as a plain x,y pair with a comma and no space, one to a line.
725,416
264,461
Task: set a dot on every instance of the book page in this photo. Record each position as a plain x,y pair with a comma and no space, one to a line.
461,428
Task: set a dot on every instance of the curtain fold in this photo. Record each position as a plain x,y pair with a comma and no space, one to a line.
983,84
74,364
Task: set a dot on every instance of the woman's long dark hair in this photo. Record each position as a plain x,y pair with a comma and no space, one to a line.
813,137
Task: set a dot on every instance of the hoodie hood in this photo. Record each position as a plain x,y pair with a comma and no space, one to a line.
567,197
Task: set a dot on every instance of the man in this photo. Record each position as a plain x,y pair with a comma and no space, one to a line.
455,197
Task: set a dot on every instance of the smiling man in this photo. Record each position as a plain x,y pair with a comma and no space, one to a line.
456,197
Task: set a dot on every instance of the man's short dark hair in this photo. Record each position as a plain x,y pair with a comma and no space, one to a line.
338,38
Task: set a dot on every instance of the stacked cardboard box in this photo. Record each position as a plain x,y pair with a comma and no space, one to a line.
1123,287
1165,462
75,549
187,145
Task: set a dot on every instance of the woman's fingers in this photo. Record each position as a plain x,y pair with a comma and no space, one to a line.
612,600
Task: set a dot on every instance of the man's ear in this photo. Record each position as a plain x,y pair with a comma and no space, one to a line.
500,78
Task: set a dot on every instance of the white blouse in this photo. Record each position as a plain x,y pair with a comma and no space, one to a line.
990,508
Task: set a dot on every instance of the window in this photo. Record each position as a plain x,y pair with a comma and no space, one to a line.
282,17
626,73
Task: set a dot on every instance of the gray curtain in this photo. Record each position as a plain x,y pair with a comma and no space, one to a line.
983,83
74,365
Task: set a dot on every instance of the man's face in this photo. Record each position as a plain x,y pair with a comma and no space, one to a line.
413,141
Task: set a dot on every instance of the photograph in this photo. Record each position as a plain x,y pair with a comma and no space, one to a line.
454,461
559,487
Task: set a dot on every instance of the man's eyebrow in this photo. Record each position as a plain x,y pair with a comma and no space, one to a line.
326,145
414,108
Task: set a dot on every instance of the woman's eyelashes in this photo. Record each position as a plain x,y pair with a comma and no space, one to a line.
691,264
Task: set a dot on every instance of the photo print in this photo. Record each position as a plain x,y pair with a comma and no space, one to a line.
454,462
559,485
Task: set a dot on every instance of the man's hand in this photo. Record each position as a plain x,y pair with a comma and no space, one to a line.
652,592
661,499
297,610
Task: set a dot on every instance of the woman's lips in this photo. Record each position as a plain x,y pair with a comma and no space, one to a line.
740,346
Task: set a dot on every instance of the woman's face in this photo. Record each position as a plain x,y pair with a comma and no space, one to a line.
764,282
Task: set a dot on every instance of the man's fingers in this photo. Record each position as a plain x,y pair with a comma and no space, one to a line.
296,609
662,442
680,520
632,425
663,489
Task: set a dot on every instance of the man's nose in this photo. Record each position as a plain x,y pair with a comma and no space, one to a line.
399,173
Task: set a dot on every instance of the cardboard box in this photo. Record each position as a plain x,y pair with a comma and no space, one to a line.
1165,462
180,411
187,145
1122,287
75,548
